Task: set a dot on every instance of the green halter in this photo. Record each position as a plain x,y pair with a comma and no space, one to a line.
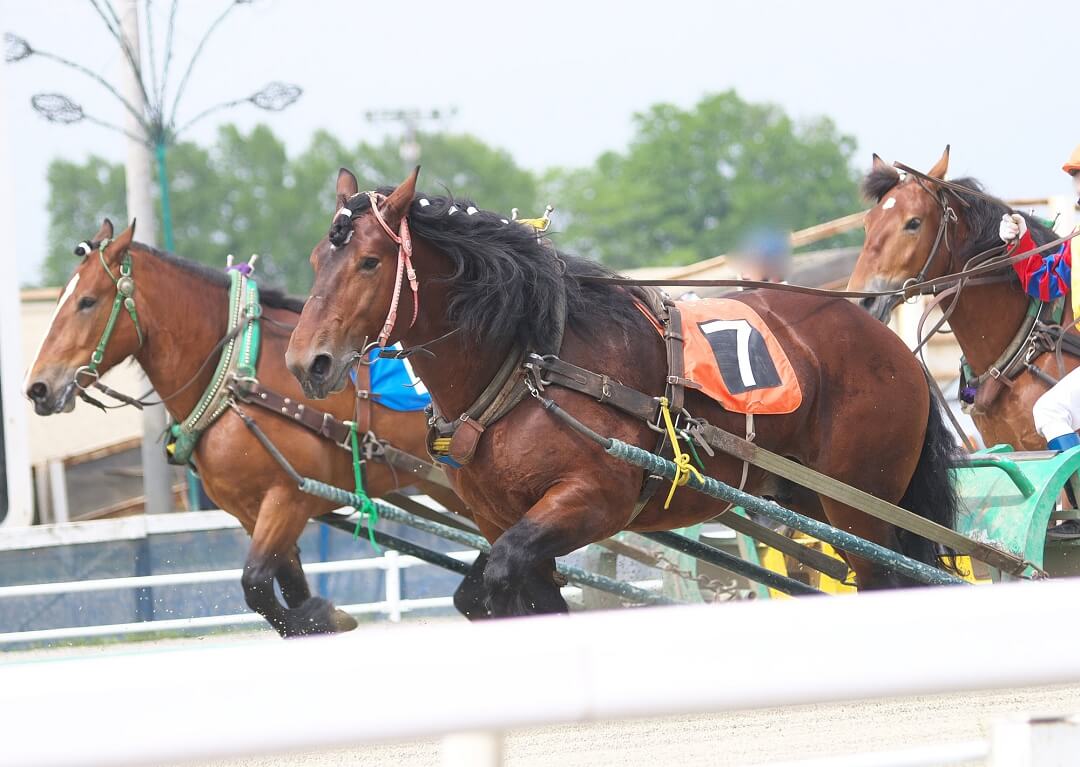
125,298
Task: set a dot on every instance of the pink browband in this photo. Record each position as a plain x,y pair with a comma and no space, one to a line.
404,266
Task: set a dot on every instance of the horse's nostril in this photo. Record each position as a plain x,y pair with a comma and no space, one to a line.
868,304
320,367
38,391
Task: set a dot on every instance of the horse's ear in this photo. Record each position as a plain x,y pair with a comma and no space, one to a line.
401,198
122,242
347,186
941,167
105,232
880,164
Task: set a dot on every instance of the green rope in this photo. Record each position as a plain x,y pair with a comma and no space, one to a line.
693,450
368,512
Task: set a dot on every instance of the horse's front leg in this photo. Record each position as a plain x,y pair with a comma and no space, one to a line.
519,577
273,555
293,582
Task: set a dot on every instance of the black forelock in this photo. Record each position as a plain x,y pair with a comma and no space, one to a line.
879,181
506,282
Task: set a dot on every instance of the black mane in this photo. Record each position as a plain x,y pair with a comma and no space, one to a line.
507,284
269,297
982,215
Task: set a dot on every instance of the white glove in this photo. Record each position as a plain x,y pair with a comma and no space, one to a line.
1012,227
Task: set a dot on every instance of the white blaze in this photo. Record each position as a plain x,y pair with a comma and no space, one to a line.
59,305
889,203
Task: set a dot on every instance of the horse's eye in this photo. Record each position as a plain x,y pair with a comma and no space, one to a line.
913,224
369,264
86,302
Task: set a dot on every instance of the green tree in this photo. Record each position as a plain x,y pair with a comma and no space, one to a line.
245,194
694,181
80,195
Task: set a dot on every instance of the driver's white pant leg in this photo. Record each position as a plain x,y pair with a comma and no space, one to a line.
1057,412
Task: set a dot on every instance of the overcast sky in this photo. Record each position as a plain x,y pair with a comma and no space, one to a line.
556,82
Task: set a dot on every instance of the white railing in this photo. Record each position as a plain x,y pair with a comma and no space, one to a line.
406,680
392,605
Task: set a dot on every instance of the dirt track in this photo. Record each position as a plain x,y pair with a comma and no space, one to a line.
738,738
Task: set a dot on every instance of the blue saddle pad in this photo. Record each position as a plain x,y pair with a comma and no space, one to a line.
394,384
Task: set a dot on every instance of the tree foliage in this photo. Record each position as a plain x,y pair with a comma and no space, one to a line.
245,195
691,183
694,181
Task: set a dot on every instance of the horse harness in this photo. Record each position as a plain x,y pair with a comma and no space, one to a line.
528,373
235,380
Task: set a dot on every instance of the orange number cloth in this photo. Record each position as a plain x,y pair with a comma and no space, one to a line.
735,357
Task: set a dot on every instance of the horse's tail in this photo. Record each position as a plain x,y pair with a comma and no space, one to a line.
931,492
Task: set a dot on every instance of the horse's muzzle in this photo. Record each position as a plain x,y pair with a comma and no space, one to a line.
881,307
319,375
51,399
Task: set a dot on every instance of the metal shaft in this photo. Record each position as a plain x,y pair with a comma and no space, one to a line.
841,539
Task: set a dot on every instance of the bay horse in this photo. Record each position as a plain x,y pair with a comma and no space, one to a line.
901,230
182,309
477,286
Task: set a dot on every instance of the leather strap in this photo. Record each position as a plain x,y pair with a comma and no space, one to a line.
602,388
503,393
364,395
673,339
323,424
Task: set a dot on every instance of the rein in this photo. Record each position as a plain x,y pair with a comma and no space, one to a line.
905,291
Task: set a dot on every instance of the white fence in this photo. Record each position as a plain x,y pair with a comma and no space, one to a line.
401,682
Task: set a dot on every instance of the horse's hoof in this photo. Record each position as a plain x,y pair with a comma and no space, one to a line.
342,621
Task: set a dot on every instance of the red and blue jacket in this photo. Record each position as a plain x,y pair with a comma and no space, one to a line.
1046,275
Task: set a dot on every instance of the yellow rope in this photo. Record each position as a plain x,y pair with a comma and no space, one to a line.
683,467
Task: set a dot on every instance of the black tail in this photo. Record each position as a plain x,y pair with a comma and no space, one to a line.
931,493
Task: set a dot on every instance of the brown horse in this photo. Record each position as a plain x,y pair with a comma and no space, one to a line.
538,489
182,309
900,234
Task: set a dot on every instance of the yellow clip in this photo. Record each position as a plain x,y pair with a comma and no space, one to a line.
683,467
539,224
441,445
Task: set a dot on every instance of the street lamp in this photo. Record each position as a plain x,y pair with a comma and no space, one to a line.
152,126
409,146
158,124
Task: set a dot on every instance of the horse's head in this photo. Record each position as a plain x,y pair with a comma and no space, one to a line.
70,354
903,233
357,282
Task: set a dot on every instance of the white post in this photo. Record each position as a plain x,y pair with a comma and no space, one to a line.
16,453
58,490
393,585
472,749
157,484
1051,741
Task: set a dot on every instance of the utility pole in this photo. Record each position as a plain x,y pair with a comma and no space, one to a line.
15,452
157,483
